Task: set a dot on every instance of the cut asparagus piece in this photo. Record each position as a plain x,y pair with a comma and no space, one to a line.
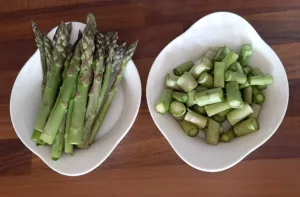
163,103
245,54
260,80
234,98
58,144
222,53
209,96
36,137
68,148
221,117
216,108
54,78
84,82
189,128
177,110
258,98
227,136
211,54
202,65
262,87
256,72
246,127
200,110
206,80
233,67
171,82
247,95
247,70
236,115
111,94
213,132
182,68
239,68
256,110
242,86
219,74
196,119
234,76
180,96
191,100
230,58
200,88
255,90
186,82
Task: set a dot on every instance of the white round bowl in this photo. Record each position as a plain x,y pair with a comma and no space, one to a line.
218,29
26,98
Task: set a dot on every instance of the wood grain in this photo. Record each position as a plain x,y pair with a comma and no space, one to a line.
144,164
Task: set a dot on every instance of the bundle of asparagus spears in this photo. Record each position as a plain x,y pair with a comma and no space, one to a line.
220,85
79,84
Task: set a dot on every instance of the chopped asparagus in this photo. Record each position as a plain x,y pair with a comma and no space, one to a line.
200,110
258,98
209,96
247,70
211,54
255,90
246,127
163,103
180,96
171,82
219,74
234,76
191,100
196,119
200,88
216,108
58,144
222,53
182,68
247,95
227,136
260,80
177,109
256,110
187,82
230,58
239,68
202,65
189,128
242,86
206,80
213,132
236,115
233,67
262,87
245,54
234,98
221,117
256,72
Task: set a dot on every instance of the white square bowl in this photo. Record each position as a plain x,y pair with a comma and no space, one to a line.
219,29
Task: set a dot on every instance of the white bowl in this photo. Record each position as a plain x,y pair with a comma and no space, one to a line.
26,98
219,29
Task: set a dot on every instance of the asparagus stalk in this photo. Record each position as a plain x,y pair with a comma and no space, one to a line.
54,78
236,115
200,110
213,132
211,54
245,54
230,58
258,98
184,67
206,80
48,53
200,88
245,85
62,101
180,96
209,96
221,117
256,72
203,64
186,82
67,61
58,143
234,76
227,136
68,148
247,95
219,73
255,90
256,110
84,82
191,100
239,68
177,109
189,128
246,127
260,80
222,53
171,82
195,119
111,94
216,108
233,67
56,35
234,98
163,103
247,70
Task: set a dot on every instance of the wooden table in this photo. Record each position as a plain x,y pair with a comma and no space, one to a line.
144,164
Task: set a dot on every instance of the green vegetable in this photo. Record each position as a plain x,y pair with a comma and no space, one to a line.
219,74
209,96
187,82
258,98
234,98
189,128
222,53
180,96
200,110
177,109
227,136
206,80
221,117
202,65
196,119
247,95
256,110
191,100
248,126
58,143
230,58
171,82
245,54
163,103
234,76
236,115
200,88
260,80
182,68
247,70
216,108
213,132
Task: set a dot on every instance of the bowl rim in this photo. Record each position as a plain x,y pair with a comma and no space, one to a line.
254,147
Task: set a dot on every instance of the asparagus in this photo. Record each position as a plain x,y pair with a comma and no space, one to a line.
40,44
211,54
233,67
191,100
256,72
189,128
182,68
56,35
213,132
247,95
48,53
58,143
219,74
239,68
203,64
262,87
200,88
230,58
260,80
216,108
234,98
222,53
84,82
236,115
258,98
177,109
111,94
67,61
209,96
186,82
171,82
242,86
256,110
79,37
227,136
206,80
221,117
196,119
255,90
200,110
54,78
61,103
234,76
163,103
247,70
246,127
180,96
245,54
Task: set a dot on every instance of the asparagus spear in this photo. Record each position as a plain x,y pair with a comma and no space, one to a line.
184,67
67,61
180,96
203,64
234,76
196,119
213,132
234,98
48,53
111,94
177,109
171,82
189,128
209,96
233,67
206,80
230,58
68,148
236,115
163,103
54,78
84,82
219,74
245,54
58,143
239,68
246,127
211,54
216,108
62,101
245,85
260,80
255,90
186,82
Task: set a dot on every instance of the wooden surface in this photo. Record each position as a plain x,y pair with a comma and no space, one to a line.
144,164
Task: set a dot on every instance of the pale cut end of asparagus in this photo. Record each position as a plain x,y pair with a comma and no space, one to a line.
171,82
202,65
256,110
196,119
189,128
182,68
191,100
237,115
246,127
260,80
255,90
187,82
230,58
206,80
209,96
213,132
258,98
177,109
219,74
180,96
234,98
234,76
216,108
163,103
